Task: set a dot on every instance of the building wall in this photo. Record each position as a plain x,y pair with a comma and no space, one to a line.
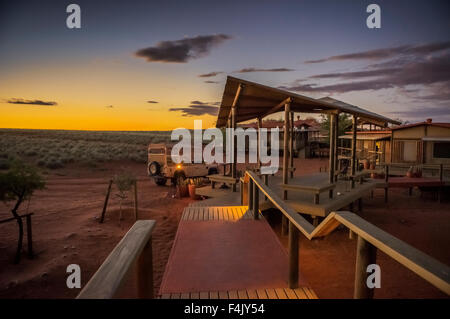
410,148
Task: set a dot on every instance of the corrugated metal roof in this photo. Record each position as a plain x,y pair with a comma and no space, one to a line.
258,100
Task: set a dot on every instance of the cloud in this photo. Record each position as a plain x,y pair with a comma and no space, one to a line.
416,70
354,75
211,74
109,106
212,82
248,70
386,53
152,102
30,102
420,113
197,108
181,51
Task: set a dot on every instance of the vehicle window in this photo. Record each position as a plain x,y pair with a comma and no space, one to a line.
156,151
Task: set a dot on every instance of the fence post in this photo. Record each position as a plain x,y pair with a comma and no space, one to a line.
366,254
106,201
145,272
293,256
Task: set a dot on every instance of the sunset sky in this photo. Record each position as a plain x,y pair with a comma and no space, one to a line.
158,65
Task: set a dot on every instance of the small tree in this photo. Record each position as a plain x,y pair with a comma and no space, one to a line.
124,181
19,183
345,122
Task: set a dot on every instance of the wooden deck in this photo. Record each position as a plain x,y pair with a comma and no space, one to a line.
302,202
271,293
223,252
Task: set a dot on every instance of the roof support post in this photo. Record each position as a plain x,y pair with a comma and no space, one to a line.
259,142
336,139
291,145
354,127
287,110
332,139
233,125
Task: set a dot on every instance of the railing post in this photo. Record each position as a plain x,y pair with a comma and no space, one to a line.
145,272
266,182
293,256
366,254
255,201
135,200
250,194
386,180
241,192
284,225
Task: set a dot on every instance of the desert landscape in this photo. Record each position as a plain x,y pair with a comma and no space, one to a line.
66,226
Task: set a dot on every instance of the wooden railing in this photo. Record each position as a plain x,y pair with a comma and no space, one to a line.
439,168
370,238
136,245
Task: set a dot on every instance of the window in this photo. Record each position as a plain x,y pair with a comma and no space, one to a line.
156,151
441,149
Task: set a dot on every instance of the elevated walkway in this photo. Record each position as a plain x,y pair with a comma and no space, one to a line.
223,252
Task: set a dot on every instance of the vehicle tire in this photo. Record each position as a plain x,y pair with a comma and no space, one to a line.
160,181
154,169
212,171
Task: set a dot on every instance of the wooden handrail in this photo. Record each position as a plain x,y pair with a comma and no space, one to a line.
431,270
136,244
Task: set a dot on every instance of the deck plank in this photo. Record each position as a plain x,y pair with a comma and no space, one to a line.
261,294
280,293
270,293
242,294
300,293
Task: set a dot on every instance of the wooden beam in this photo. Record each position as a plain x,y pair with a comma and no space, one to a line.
354,127
259,141
331,164
277,107
366,254
255,202
233,125
287,110
145,272
112,274
293,256
291,144
336,136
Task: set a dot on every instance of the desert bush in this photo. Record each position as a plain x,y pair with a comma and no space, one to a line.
19,183
124,182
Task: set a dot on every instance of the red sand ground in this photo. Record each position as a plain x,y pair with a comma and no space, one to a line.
66,230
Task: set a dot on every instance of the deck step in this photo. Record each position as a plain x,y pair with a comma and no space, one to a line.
270,293
231,213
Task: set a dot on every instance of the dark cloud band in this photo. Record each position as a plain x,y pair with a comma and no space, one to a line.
197,108
31,102
181,51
